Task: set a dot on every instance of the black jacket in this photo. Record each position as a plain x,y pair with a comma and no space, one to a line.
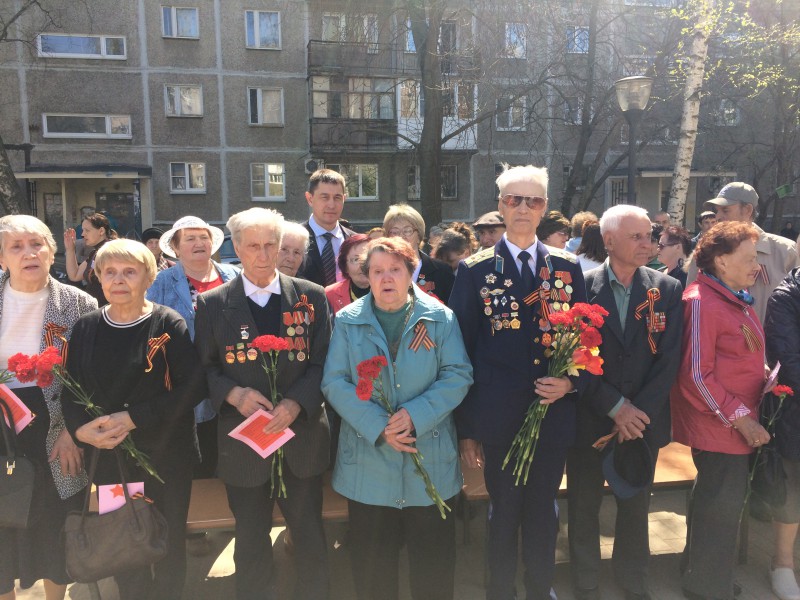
782,330
436,277
312,268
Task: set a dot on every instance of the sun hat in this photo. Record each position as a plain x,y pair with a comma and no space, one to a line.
217,236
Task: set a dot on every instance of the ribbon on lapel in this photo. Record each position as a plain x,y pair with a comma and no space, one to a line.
156,344
421,338
653,295
540,295
53,331
751,339
304,303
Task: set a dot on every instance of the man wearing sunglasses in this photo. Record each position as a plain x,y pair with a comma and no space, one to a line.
502,297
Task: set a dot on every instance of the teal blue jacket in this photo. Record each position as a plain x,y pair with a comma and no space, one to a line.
429,383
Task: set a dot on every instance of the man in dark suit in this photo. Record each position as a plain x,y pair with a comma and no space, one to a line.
262,301
641,350
327,191
506,333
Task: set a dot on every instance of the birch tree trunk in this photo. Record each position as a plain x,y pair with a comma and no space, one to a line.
691,110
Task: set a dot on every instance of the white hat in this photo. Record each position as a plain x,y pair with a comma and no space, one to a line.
217,236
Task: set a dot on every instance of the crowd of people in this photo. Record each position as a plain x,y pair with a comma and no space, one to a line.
400,351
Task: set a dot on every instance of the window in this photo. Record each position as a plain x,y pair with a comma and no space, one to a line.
187,178
265,106
267,182
87,126
353,98
410,100
573,109
448,176
515,40
362,180
411,46
727,113
511,114
179,22
636,64
183,100
448,45
333,28
461,95
578,40
57,45
263,29
361,29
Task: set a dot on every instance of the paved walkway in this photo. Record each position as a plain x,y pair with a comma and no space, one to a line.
211,577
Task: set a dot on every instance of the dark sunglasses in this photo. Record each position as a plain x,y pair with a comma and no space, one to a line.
532,202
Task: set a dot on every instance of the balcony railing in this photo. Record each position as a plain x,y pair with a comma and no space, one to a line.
353,134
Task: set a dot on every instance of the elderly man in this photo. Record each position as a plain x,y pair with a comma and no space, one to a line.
327,191
506,334
262,301
294,245
489,229
641,350
777,256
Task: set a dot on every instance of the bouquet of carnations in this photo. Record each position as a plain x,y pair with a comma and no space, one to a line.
574,346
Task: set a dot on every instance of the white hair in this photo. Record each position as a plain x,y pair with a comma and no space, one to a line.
293,229
612,218
255,217
21,224
526,174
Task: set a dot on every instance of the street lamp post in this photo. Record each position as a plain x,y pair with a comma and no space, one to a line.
633,93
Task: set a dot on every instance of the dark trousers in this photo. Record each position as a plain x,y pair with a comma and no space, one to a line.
207,441
533,508
252,555
167,578
377,533
715,508
631,554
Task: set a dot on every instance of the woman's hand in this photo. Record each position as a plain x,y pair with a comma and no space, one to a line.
69,239
68,454
553,388
398,432
104,432
471,453
752,431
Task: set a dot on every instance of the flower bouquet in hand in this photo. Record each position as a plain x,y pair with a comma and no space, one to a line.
764,464
47,366
574,346
270,346
370,387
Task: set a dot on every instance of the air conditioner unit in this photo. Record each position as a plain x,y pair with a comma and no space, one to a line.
314,164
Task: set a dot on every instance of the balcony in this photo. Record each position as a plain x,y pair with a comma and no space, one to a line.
352,58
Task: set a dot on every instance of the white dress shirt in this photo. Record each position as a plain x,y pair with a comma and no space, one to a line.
261,295
336,240
515,250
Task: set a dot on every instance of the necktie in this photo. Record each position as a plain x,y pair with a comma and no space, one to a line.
328,260
527,273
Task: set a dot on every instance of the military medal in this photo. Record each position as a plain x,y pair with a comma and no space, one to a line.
487,311
515,323
291,355
491,278
290,331
252,354
299,330
229,358
498,325
484,292
301,356
508,283
514,304
568,289
244,332
240,356
559,284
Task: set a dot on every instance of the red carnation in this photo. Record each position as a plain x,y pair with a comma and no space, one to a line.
364,389
23,367
590,337
559,318
48,359
371,367
783,390
16,360
45,379
270,343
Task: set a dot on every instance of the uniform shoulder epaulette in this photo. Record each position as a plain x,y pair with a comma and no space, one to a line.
479,256
562,254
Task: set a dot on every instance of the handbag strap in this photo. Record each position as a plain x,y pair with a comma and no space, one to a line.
91,472
9,433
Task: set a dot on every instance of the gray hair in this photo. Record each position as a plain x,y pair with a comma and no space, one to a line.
20,224
612,218
293,229
129,251
255,217
526,174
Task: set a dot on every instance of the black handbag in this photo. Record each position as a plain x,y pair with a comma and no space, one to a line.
769,477
16,477
99,546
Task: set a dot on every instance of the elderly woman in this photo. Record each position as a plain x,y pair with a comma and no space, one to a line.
428,376
674,247
96,231
456,244
433,276
151,238
715,402
553,230
355,284
37,311
782,329
294,245
137,361
193,241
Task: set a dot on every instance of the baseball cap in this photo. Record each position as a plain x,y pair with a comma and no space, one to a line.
734,193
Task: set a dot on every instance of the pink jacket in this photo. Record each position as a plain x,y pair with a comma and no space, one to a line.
339,294
722,369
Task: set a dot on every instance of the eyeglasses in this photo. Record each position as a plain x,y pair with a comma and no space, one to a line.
405,232
532,202
662,246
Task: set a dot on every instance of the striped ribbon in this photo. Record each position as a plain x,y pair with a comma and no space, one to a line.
421,338
751,339
540,295
156,344
653,295
52,332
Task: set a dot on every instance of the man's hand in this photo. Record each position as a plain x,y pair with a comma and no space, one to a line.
471,453
284,414
70,457
630,421
247,400
553,388
752,431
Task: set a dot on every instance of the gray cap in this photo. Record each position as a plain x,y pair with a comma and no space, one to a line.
490,219
734,193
